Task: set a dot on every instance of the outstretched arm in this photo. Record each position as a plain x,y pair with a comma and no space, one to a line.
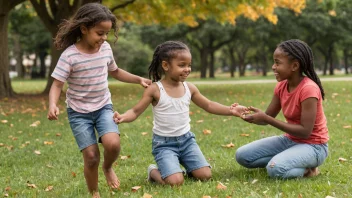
124,76
214,107
133,113
302,130
54,96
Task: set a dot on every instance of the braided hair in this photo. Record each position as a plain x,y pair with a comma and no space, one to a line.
299,50
89,15
164,52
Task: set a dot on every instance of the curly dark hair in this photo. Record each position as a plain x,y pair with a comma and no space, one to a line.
88,15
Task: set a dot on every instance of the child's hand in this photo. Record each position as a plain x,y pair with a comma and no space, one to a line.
53,113
257,116
117,118
145,82
238,110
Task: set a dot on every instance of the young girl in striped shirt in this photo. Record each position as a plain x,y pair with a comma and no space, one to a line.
84,65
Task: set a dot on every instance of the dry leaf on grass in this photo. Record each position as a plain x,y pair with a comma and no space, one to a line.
144,133
244,135
73,174
48,142
31,185
221,186
58,134
49,188
35,124
206,196
4,121
200,121
342,159
125,157
37,152
135,188
7,188
347,127
228,145
206,131
146,195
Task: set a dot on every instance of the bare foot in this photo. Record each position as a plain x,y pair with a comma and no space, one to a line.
311,172
95,195
111,178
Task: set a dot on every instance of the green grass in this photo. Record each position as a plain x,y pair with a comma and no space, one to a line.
60,165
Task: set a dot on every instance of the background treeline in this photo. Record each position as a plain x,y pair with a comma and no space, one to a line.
243,48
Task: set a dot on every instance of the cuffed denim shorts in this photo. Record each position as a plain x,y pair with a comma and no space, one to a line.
170,152
83,125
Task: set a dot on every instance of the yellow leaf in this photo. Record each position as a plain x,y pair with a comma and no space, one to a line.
58,134
228,145
144,133
254,181
31,185
7,188
49,188
35,124
206,131
342,159
4,121
206,196
244,135
221,186
200,121
37,152
135,188
2,144
146,195
347,127
48,142
125,157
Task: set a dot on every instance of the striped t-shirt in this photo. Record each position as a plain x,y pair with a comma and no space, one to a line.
86,75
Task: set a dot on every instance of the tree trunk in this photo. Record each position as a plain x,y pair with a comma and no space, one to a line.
55,55
203,62
18,56
232,62
265,64
5,83
211,65
331,65
42,55
345,58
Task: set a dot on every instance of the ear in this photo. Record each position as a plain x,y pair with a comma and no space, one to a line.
165,65
83,29
295,65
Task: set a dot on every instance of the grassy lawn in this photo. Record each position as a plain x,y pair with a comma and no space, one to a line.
60,164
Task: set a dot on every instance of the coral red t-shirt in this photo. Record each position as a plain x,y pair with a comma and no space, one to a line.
291,109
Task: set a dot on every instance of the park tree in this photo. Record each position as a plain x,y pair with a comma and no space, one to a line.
165,12
5,83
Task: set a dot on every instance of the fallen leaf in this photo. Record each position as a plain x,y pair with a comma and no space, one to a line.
35,124
49,166
58,134
191,113
49,188
254,181
144,133
244,135
7,188
206,131
329,196
135,188
2,144
146,195
228,145
200,121
6,195
221,186
125,157
300,195
347,127
48,142
206,196
342,159
4,121
37,152
31,185
73,174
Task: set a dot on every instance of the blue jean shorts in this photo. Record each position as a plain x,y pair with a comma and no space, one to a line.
84,125
170,152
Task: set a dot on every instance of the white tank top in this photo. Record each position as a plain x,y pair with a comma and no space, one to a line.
171,115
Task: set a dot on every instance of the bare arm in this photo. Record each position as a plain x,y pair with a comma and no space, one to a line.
124,76
211,106
54,96
302,130
133,113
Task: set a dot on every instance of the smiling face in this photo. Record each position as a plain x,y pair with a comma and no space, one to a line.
283,66
94,37
179,67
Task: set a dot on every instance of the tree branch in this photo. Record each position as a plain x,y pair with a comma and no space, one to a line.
43,13
122,5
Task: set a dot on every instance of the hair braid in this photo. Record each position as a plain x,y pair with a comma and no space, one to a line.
297,49
164,52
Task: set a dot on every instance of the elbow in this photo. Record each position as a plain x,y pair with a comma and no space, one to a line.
306,134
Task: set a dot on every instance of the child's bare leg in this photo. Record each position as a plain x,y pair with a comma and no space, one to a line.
111,144
91,157
173,180
202,174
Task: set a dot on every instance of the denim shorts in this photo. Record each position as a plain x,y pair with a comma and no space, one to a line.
170,152
83,125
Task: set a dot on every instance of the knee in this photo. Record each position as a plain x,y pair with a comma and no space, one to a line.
241,157
92,159
112,146
175,180
203,175
276,170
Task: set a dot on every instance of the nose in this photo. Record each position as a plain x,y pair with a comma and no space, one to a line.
105,37
273,67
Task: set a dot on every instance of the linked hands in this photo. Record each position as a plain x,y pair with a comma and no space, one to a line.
145,82
118,118
238,110
255,116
